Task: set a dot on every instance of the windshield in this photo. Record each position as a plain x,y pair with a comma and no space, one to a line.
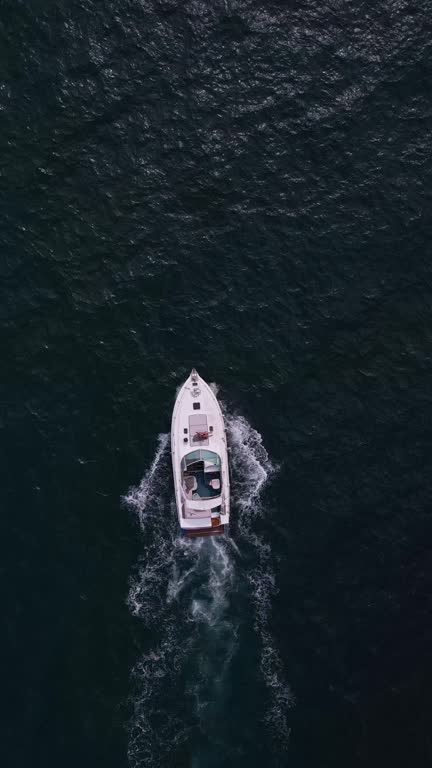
210,459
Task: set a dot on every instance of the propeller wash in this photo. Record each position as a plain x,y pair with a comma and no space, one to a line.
204,601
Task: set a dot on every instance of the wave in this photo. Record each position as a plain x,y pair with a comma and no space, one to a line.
193,596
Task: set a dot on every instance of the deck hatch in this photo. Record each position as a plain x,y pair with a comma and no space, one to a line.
198,423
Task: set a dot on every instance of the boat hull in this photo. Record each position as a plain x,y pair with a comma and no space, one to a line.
214,531
200,460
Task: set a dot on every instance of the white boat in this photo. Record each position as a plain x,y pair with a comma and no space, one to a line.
200,460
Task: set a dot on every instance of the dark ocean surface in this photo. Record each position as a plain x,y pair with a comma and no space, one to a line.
244,187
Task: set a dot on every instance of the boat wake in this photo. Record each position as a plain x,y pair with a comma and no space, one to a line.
252,470
203,602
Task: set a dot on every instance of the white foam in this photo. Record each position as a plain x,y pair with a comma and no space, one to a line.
151,500
145,497
152,735
251,460
252,469
183,589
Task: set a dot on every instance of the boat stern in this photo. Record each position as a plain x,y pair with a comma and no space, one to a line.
214,530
